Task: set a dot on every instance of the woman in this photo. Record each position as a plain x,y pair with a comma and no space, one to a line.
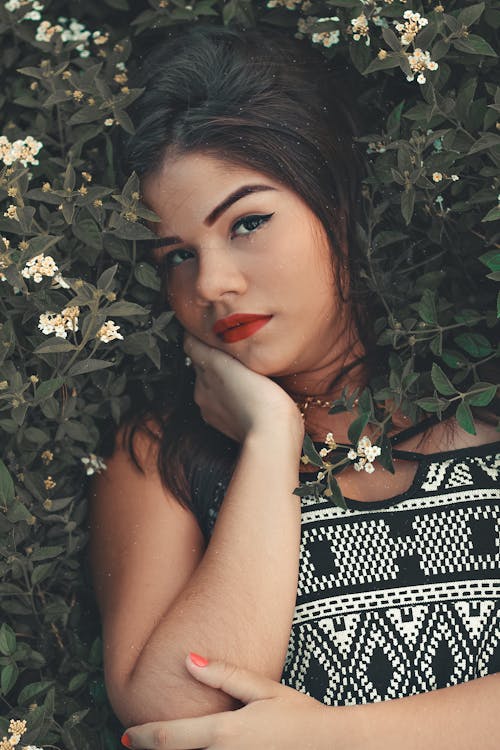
305,612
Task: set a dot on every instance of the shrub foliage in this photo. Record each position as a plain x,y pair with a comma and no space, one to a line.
78,323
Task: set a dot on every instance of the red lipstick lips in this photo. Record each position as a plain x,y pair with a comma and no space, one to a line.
239,326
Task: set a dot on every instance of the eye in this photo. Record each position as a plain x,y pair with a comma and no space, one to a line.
251,223
174,258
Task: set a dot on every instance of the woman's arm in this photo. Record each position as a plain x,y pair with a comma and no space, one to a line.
462,717
457,718
239,602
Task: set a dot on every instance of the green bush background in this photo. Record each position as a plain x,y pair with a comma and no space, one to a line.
431,255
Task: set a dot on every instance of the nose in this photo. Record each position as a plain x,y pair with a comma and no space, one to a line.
219,273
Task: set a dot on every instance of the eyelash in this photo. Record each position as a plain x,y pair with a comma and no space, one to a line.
167,263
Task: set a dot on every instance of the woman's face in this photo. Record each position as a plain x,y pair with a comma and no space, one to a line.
263,253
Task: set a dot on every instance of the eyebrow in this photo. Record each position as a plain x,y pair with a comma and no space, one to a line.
212,217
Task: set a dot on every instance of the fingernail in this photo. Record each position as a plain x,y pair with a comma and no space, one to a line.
126,740
200,661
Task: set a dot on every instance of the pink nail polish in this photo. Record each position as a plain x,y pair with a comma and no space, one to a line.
200,661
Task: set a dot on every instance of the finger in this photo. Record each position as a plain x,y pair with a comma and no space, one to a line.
243,684
178,734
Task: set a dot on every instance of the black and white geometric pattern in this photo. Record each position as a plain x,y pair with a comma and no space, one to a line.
400,596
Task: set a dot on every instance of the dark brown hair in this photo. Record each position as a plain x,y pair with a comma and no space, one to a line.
263,100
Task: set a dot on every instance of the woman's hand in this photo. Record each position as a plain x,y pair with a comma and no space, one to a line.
237,401
275,717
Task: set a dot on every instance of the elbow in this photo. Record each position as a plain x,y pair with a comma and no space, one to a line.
137,701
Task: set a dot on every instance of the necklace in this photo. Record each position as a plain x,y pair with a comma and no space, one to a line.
304,405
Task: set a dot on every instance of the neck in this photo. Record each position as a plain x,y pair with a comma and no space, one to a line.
328,379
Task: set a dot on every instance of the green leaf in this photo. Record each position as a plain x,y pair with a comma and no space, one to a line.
486,141
147,276
88,232
46,553
34,690
310,451
434,405
441,382
105,280
55,346
336,497
408,204
41,572
385,458
474,344
465,418
492,215
470,15
491,259
6,485
427,307
8,677
481,399
47,389
78,681
474,45
122,309
356,428
89,365
8,642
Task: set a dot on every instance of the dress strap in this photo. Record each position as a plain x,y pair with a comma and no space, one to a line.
415,429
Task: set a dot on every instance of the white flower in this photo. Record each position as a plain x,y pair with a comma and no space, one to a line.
359,28
372,452
420,61
455,177
60,323
20,150
93,463
324,452
45,31
39,266
108,332
365,454
437,176
320,475
11,212
410,29
326,38
12,5
108,121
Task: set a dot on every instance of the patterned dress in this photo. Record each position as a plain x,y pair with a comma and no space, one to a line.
400,596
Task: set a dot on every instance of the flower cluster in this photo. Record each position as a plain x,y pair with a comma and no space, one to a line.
359,28
410,28
420,61
326,38
43,265
23,151
60,323
330,445
364,455
93,463
108,332
439,176
33,9
16,730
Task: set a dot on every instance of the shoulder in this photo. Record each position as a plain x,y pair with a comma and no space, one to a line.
449,436
139,442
